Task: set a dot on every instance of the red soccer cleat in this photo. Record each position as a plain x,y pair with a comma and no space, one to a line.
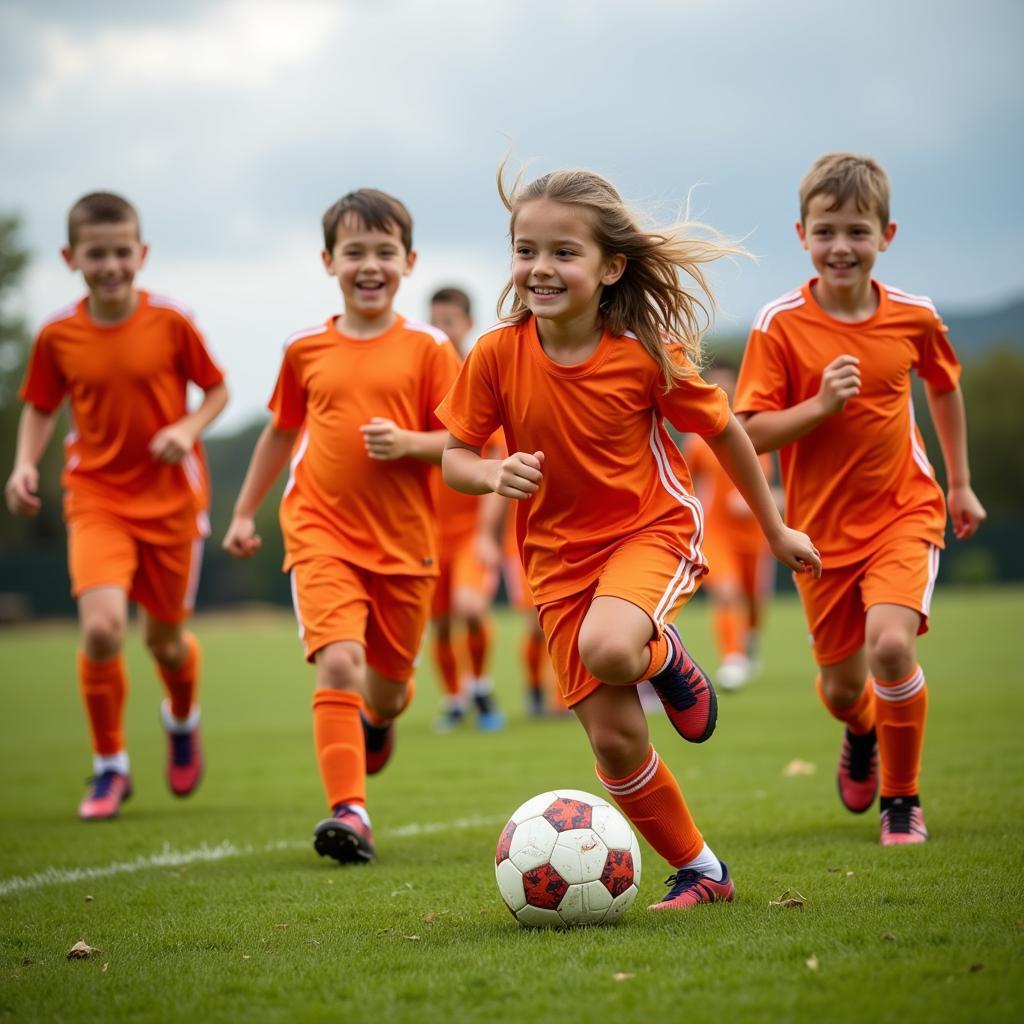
345,836
184,751
380,745
686,692
688,888
107,791
857,777
902,821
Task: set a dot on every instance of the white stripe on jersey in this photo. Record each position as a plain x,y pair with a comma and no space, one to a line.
64,313
306,332
898,295
791,300
439,336
675,488
920,455
296,459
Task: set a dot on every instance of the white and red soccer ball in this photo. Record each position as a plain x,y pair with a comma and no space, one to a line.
565,858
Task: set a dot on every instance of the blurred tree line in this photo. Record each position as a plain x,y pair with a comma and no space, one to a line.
33,573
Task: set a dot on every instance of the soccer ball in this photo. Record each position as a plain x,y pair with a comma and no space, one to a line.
566,858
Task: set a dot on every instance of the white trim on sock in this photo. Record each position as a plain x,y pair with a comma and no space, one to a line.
706,863
360,810
111,763
178,726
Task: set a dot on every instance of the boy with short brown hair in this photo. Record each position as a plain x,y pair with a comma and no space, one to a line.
354,409
136,488
826,380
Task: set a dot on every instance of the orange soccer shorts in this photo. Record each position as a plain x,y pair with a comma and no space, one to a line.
646,570
516,587
335,600
162,578
461,569
902,571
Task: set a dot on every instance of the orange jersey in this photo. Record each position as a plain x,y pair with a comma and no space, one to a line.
339,502
726,514
125,382
611,471
862,475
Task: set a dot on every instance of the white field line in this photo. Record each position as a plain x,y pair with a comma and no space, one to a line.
168,857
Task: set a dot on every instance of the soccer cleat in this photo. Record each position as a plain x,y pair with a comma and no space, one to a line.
902,821
184,751
107,791
345,836
688,888
450,718
686,692
857,777
380,745
489,718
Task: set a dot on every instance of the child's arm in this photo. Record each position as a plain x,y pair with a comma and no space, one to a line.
463,469
734,451
268,459
173,442
385,441
947,409
35,428
490,526
772,429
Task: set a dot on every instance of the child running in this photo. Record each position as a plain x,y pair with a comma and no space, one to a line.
353,408
742,570
135,484
600,345
826,380
467,578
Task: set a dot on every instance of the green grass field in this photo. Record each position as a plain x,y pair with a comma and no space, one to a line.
217,908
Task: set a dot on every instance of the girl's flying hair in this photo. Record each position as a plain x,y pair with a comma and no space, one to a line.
649,299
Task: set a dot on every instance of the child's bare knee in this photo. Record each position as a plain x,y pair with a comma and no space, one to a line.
609,658
892,654
102,635
341,667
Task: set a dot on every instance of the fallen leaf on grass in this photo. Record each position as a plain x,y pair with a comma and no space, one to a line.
622,976
104,969
798,767
81,950
791,899
403,891
432,915
850,874
282,926
89,899
411,938
245,956
974,968
812,962
889,937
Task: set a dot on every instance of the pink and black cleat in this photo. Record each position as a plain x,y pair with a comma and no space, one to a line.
184,751
107,791
688,888
902,821
857,777
380,745
686,692
345,836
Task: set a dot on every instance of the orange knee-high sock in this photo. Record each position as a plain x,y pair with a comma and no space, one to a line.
478,641
444,654
103,685
659,649
182,682
901,709
340,750
652,800
859,717
728,630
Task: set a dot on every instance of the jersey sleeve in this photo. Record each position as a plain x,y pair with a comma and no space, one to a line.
288,402
197,363
763,382
937,362
470,410
44,385
692,406
442,369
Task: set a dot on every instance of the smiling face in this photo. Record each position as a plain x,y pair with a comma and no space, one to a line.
108,255
369,265
558,268
844,243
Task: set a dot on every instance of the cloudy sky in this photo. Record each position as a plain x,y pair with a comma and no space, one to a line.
234,124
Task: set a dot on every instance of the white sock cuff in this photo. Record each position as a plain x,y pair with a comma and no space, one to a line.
635,782
178,725
902,690
111,763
